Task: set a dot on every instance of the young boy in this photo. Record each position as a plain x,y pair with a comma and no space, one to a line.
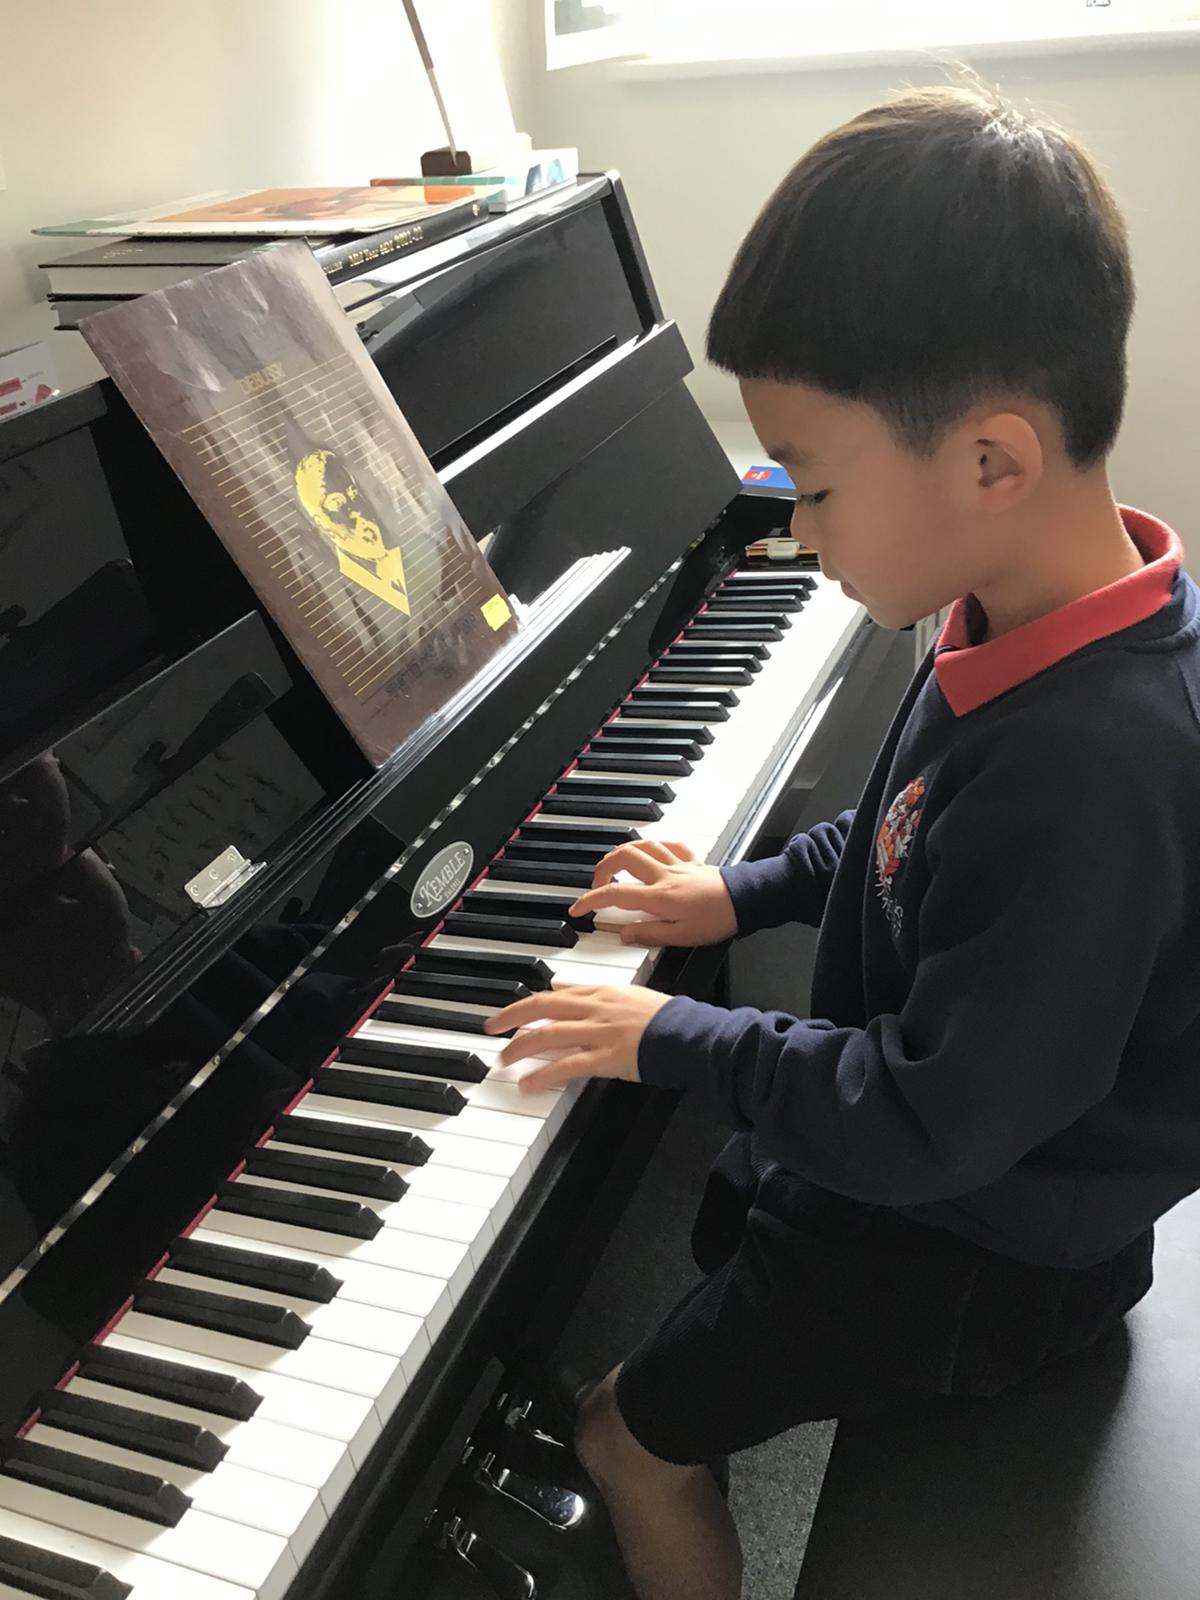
950,1178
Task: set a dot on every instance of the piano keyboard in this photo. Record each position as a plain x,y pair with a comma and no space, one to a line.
202,1443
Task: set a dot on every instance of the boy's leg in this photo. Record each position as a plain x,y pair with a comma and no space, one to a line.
676,1535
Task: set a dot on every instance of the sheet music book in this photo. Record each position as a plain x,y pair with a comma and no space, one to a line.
257,389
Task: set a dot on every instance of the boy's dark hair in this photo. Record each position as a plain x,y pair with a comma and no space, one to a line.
931,253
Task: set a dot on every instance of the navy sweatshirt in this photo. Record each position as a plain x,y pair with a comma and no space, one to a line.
1006,1030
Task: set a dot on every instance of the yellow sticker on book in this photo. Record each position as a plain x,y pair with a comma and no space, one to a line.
495,611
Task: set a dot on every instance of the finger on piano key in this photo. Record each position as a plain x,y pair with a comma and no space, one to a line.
498,1090
52,1560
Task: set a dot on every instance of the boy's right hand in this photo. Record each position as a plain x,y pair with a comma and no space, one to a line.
686,901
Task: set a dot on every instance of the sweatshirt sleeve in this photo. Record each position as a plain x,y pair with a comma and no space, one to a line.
792,886
1053,890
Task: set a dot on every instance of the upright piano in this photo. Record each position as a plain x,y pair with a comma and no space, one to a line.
282,1254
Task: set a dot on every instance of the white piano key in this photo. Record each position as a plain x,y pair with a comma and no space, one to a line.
149,1577
391,1247
469,1226
259,1444
388,1288
464,1188
317,1362
600,951
507,1161
202,1543
339,1322
496,1127
350,1418
292,1510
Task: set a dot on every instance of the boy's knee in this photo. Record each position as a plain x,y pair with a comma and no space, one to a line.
603,1443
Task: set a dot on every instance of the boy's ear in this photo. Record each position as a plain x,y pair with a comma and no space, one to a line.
999,460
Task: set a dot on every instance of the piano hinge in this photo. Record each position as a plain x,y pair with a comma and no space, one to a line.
222,878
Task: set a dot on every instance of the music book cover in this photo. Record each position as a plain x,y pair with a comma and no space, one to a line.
257,389
270,213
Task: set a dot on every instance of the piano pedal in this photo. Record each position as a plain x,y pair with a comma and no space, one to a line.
555,1507
519,1419
505,1578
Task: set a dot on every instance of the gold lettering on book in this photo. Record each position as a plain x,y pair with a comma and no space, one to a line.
256,382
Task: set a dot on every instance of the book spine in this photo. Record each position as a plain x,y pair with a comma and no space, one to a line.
341,261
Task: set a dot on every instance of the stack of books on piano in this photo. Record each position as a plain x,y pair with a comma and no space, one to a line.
354,233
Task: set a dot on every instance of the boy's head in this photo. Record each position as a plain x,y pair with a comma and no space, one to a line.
928,320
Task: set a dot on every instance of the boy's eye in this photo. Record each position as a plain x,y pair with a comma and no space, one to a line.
812,499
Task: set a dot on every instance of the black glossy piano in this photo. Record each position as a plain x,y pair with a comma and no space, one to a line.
282,1253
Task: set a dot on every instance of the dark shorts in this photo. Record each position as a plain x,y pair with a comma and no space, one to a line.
850,1310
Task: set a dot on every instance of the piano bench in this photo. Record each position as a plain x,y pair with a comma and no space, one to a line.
1082,1485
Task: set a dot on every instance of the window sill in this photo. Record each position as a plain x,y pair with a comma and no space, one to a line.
651,68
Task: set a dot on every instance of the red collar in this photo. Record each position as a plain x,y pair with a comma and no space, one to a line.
970,675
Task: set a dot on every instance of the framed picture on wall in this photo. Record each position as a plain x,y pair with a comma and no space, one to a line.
579,31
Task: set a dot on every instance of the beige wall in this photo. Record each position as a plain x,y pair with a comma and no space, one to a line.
700,155
131,102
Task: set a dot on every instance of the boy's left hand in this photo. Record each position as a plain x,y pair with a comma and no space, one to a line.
595,1032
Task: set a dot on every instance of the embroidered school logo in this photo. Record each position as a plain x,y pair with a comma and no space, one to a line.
893,844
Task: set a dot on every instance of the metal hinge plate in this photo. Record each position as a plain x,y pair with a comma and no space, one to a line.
222,878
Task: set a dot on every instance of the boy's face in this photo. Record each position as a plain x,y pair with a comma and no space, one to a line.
889,525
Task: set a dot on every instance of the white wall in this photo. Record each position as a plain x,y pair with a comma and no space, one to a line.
699,157
132,102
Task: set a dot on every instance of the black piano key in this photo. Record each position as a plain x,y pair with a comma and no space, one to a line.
462,1066
770,616
222,1313
522,870
307,1280
534,974
677,710
703,676
326,1172
596,806
513,930
385,1144
53,1577
709,627
630,761
473,991
782,599
378,1089
616,789
223,1395
686,649
346,1217
681,693
610,835
190,1444
450,1019
644,742
527,903
575,853
696,733
137,1494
